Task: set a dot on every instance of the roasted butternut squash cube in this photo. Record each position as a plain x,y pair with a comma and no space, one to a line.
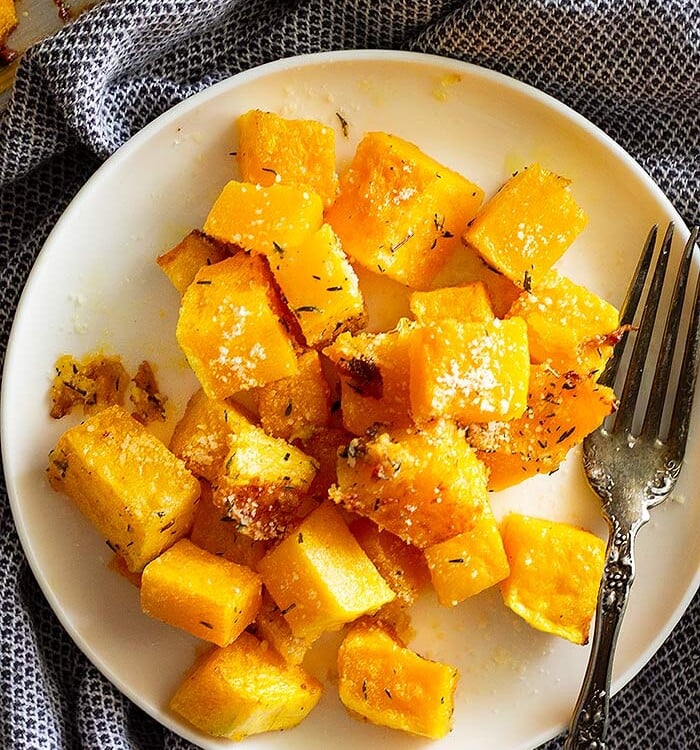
386,683
260,219
471,372
209,597
274,149
245,688
527,225
400,564
468,563
215,531
271,626
400,212
323,446
374,377
319,576
320,286
230,329
8,19
293,407
200,436
181,263
263,483
561,411
424,485
567,325
469,302
137,494
555,573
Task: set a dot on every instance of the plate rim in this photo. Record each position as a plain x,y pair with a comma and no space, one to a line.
192,102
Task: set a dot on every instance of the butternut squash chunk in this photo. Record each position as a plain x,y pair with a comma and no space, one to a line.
320,578
8,19
527,225
400,212
567,325
260,219
274,149
425,485
206,595
135,492
472,372
468,563
381,680
231,330
245,688
555,572
181,263
469,302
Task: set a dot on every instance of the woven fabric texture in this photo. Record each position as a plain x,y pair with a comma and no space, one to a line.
629,66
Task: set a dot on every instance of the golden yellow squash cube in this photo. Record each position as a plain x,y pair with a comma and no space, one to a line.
468,563
472,372
374,377
320,287
137,494
206,595
200,437
319,576
245,688
527,225
555,573
386,683
263,482
260,219
231,330
8,19
425,485
400,212
181,263
469,302
293,407
561,411
271,626
566,324
274,149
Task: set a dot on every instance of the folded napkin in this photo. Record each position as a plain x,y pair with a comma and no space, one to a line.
630,67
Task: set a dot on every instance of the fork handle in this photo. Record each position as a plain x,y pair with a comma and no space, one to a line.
589,722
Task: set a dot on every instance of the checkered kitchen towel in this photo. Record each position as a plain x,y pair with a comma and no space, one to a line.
630,66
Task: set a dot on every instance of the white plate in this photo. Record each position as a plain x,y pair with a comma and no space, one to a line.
95,284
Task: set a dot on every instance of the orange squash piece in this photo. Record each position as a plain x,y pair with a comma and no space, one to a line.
206,595
468,302
374,377
243,689
527,225
561,411
320,578
293,407
260,219
135,492
567,324
424,485
320,287
471,372
271,626
274,149
555,572
468,563
230,327
400,212
386,683
8,19
181,263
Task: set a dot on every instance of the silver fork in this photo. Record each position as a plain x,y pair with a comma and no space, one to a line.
633,471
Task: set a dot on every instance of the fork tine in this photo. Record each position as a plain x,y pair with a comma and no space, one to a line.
633,380
657,395
680,421
629,306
